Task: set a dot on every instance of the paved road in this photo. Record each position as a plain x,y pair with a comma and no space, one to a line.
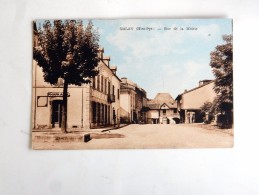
155,136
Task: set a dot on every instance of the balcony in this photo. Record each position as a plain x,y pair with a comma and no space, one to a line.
111,98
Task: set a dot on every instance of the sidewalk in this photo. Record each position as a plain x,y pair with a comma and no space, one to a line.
79,130
55,136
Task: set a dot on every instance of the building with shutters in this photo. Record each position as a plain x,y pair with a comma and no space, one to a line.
89,106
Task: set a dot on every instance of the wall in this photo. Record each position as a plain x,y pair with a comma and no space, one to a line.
125,104
116,104
196,98
40,95
152,114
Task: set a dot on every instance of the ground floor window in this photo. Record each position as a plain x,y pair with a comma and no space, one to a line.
94,112
100,113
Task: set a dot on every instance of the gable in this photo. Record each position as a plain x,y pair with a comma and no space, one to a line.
164,106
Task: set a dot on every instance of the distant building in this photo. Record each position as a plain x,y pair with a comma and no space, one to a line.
162,110
89,106
133,102
190,102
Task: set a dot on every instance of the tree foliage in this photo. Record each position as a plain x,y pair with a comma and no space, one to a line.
207,111
68,50
222,66
206,107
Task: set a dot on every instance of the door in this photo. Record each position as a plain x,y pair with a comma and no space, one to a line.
56,113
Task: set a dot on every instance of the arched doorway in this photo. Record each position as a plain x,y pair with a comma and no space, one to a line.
176,120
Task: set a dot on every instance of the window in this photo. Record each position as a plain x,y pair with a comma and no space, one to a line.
105,86
102,84
164,112
94,83
113,90
109,87
118,93
60,82
98,82
94,112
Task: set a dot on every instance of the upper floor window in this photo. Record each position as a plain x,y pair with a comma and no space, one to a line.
60,82
113,90
102,84
109,87
98,82
94,83
105,86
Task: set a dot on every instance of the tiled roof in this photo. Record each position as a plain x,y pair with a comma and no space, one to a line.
160,99
153,106
164,97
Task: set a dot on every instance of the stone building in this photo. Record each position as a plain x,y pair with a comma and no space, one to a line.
190,102
89,106
162,110
133,100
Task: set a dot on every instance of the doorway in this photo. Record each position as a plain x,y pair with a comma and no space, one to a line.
165,120
56,113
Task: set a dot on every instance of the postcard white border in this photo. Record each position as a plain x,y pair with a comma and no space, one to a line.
188,171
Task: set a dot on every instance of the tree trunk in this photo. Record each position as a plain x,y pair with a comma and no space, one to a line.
64,110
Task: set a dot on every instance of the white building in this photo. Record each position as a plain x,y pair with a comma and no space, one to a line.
132,101
89,106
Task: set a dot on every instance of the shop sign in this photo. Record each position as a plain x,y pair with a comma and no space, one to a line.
57,94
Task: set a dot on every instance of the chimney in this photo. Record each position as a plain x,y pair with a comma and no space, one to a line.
106,60
113,69
101,51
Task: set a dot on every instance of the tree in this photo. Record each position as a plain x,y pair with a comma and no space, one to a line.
68,51
206,112
221,62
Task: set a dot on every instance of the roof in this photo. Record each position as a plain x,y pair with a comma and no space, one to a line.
164,97
207,82
102,60
160,99
128,84
153,106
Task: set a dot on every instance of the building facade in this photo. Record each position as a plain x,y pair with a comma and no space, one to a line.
190,102
88,106
133,100
162,110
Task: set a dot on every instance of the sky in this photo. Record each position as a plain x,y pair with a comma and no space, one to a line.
162,55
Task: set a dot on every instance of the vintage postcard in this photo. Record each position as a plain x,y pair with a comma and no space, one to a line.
132,84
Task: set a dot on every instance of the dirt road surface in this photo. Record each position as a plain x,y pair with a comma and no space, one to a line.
146,136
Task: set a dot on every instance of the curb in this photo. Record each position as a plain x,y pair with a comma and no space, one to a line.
119,127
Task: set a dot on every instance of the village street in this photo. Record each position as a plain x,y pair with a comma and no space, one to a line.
137,136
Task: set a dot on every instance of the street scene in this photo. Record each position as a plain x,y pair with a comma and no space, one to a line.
132,83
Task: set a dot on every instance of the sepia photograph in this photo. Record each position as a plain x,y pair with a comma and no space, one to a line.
132,84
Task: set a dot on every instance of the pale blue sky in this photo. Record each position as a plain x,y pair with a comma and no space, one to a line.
162,60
